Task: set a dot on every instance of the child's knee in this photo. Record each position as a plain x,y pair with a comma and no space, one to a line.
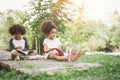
13,52
81,51
58,58
52,56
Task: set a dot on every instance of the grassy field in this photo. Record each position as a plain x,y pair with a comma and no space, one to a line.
110,71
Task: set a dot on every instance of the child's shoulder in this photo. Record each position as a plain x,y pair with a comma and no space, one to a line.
24,38
11,39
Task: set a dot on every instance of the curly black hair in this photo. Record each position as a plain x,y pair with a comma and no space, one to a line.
46,26
16,28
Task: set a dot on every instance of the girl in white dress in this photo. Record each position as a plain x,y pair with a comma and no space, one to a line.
52,44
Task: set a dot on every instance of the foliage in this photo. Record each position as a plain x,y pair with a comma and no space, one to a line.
45,9
59,12
5,22
74,30
7,19
78,33
112,34
109,71
114,30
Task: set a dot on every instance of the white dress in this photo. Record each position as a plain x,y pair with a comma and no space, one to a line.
51,44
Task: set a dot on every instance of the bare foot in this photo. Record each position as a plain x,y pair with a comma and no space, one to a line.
70,55
77,55
17,58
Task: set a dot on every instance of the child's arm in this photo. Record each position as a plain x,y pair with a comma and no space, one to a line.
11,45
26,44
46,49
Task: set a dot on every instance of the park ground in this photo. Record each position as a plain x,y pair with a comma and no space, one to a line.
109,71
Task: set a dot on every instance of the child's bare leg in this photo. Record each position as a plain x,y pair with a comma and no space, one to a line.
14,55
71,54
52,56
60,58
66,58
77,56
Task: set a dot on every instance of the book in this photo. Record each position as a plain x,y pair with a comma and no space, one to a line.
60,53
24,52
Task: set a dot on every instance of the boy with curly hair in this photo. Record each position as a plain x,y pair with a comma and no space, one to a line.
18,42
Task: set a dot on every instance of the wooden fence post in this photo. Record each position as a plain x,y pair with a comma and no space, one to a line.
37,42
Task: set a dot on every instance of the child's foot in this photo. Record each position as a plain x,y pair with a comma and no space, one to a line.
17,58
70,55
13,57
76,57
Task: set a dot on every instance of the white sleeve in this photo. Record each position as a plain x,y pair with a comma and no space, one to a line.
44,42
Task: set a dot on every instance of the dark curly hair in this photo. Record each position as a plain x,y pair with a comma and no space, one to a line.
46,26
16,28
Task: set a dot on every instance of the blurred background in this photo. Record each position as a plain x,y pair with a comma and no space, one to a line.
92,25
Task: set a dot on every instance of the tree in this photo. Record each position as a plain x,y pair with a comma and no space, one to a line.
112,34
62,12
115,30
47,9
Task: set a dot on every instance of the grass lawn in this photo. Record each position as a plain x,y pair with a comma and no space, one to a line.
110,71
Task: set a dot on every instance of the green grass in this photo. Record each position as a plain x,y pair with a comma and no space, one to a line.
110,71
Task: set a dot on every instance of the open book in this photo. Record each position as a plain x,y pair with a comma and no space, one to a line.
24,52
60,53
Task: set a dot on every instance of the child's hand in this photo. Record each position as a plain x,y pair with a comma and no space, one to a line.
19,47
51,49
60,53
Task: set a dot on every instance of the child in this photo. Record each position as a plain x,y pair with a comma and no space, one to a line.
18,42
52,45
